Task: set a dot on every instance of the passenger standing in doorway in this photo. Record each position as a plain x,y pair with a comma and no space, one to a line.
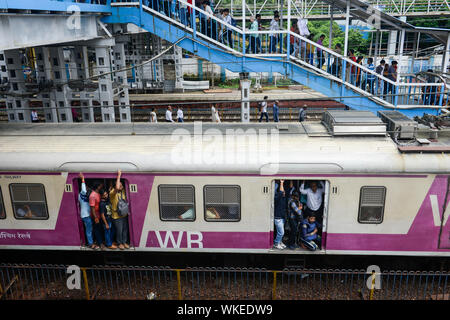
180,114
105,213
275,111
94,203
85,213
310,238
264,110
314,198
279,216
295,216
120,222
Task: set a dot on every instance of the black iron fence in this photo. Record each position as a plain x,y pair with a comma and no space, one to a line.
37,282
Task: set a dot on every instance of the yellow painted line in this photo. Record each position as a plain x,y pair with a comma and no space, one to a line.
274,288
86,285
179,284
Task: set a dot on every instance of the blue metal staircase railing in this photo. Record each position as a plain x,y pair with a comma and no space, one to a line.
241,50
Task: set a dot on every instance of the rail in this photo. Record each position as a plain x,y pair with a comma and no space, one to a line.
25,282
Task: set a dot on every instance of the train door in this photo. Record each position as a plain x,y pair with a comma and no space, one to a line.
444,232
296,197
100,232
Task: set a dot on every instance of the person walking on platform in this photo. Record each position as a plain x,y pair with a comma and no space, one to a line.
302,114
275,111
264,110
169,114
153,117
180,115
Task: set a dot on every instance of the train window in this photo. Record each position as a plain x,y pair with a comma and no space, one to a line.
222,203
28,201
176,202
371,204
2,206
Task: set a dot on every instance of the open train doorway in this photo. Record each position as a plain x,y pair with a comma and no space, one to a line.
107,228
300,214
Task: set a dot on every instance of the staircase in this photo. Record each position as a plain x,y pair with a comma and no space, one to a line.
200,33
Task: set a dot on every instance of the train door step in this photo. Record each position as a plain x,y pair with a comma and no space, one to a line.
295,262
114,259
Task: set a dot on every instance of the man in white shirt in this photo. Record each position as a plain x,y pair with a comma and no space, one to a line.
153,117
169,114
180,114
314,197
264,110
227,35
274,37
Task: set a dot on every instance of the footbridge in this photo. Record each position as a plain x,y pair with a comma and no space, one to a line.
240,49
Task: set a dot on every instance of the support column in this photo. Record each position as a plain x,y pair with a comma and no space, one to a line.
60,77
330,36
347,23
392,43
120,78
245,97
105,92
45,77
446,56
178,57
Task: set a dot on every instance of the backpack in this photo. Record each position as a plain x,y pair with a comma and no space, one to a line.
233,22
122,207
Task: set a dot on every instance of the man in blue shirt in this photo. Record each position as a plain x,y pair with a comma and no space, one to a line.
370,76
275,111
295,217
85,213
279,215
310,238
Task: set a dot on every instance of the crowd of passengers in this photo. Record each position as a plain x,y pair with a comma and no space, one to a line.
303,50
104,212
302,209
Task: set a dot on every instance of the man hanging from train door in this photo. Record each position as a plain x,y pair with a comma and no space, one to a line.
120,221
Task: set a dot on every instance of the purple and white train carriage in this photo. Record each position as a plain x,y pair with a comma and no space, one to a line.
378,200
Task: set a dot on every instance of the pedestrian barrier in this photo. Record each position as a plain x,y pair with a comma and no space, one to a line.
36,282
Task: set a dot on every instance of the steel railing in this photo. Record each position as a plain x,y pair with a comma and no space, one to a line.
24,282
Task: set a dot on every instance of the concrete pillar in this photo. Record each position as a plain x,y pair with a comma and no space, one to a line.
105,93
121,79
62,93
446,56
245,97
45,77
178,56
392,43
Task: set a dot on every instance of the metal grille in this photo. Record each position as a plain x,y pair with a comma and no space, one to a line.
371,207
28,201
176,202
222,203
49,282
372,196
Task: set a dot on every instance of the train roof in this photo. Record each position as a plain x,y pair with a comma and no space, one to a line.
254,148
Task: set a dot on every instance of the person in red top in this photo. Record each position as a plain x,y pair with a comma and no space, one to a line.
350,73
94,203
293,40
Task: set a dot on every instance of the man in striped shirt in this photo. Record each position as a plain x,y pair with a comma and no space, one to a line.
370,76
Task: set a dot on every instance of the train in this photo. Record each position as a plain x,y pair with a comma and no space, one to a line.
377,200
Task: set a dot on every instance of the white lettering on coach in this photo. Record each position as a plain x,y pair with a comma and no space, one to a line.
437,212
191,237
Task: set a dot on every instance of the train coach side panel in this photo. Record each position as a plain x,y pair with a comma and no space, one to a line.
412,217
59,231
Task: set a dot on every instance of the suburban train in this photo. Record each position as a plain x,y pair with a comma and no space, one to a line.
378,200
